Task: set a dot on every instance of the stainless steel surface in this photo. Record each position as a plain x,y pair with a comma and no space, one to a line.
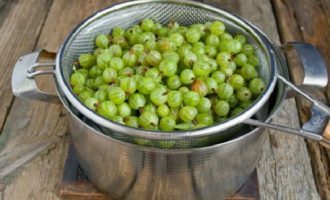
26,87
314,128
277,97
315,70
317,122
185,12
128,171
321,106
34,70
303,133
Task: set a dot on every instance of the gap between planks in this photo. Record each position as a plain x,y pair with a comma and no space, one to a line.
310,23
257,12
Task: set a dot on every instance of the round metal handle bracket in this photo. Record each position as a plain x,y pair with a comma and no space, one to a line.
23,82
33,70
315,75
315,70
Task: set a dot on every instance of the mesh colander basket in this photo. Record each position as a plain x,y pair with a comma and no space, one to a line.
81,40
264,113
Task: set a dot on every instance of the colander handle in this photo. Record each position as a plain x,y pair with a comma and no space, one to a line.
318,127
23,82
321,106
315,72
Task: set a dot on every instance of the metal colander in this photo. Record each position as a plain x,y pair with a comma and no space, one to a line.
263,114
81,40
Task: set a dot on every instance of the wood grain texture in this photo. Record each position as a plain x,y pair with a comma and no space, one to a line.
31,128
284,171
69,14
308,21
40,178
20,24
37,127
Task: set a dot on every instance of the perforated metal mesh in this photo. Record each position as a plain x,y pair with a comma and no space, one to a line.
163,12
263,114
82,41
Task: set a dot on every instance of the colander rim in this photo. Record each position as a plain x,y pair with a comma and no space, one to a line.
175,135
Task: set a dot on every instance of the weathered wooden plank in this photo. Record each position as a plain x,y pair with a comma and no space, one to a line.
20,23
310,23
284,171
325,6
307,21
39,179
54,33
275,162
30,123
31,127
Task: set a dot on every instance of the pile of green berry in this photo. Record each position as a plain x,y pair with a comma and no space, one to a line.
168,77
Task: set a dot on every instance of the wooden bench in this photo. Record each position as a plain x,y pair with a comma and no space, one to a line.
34,136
